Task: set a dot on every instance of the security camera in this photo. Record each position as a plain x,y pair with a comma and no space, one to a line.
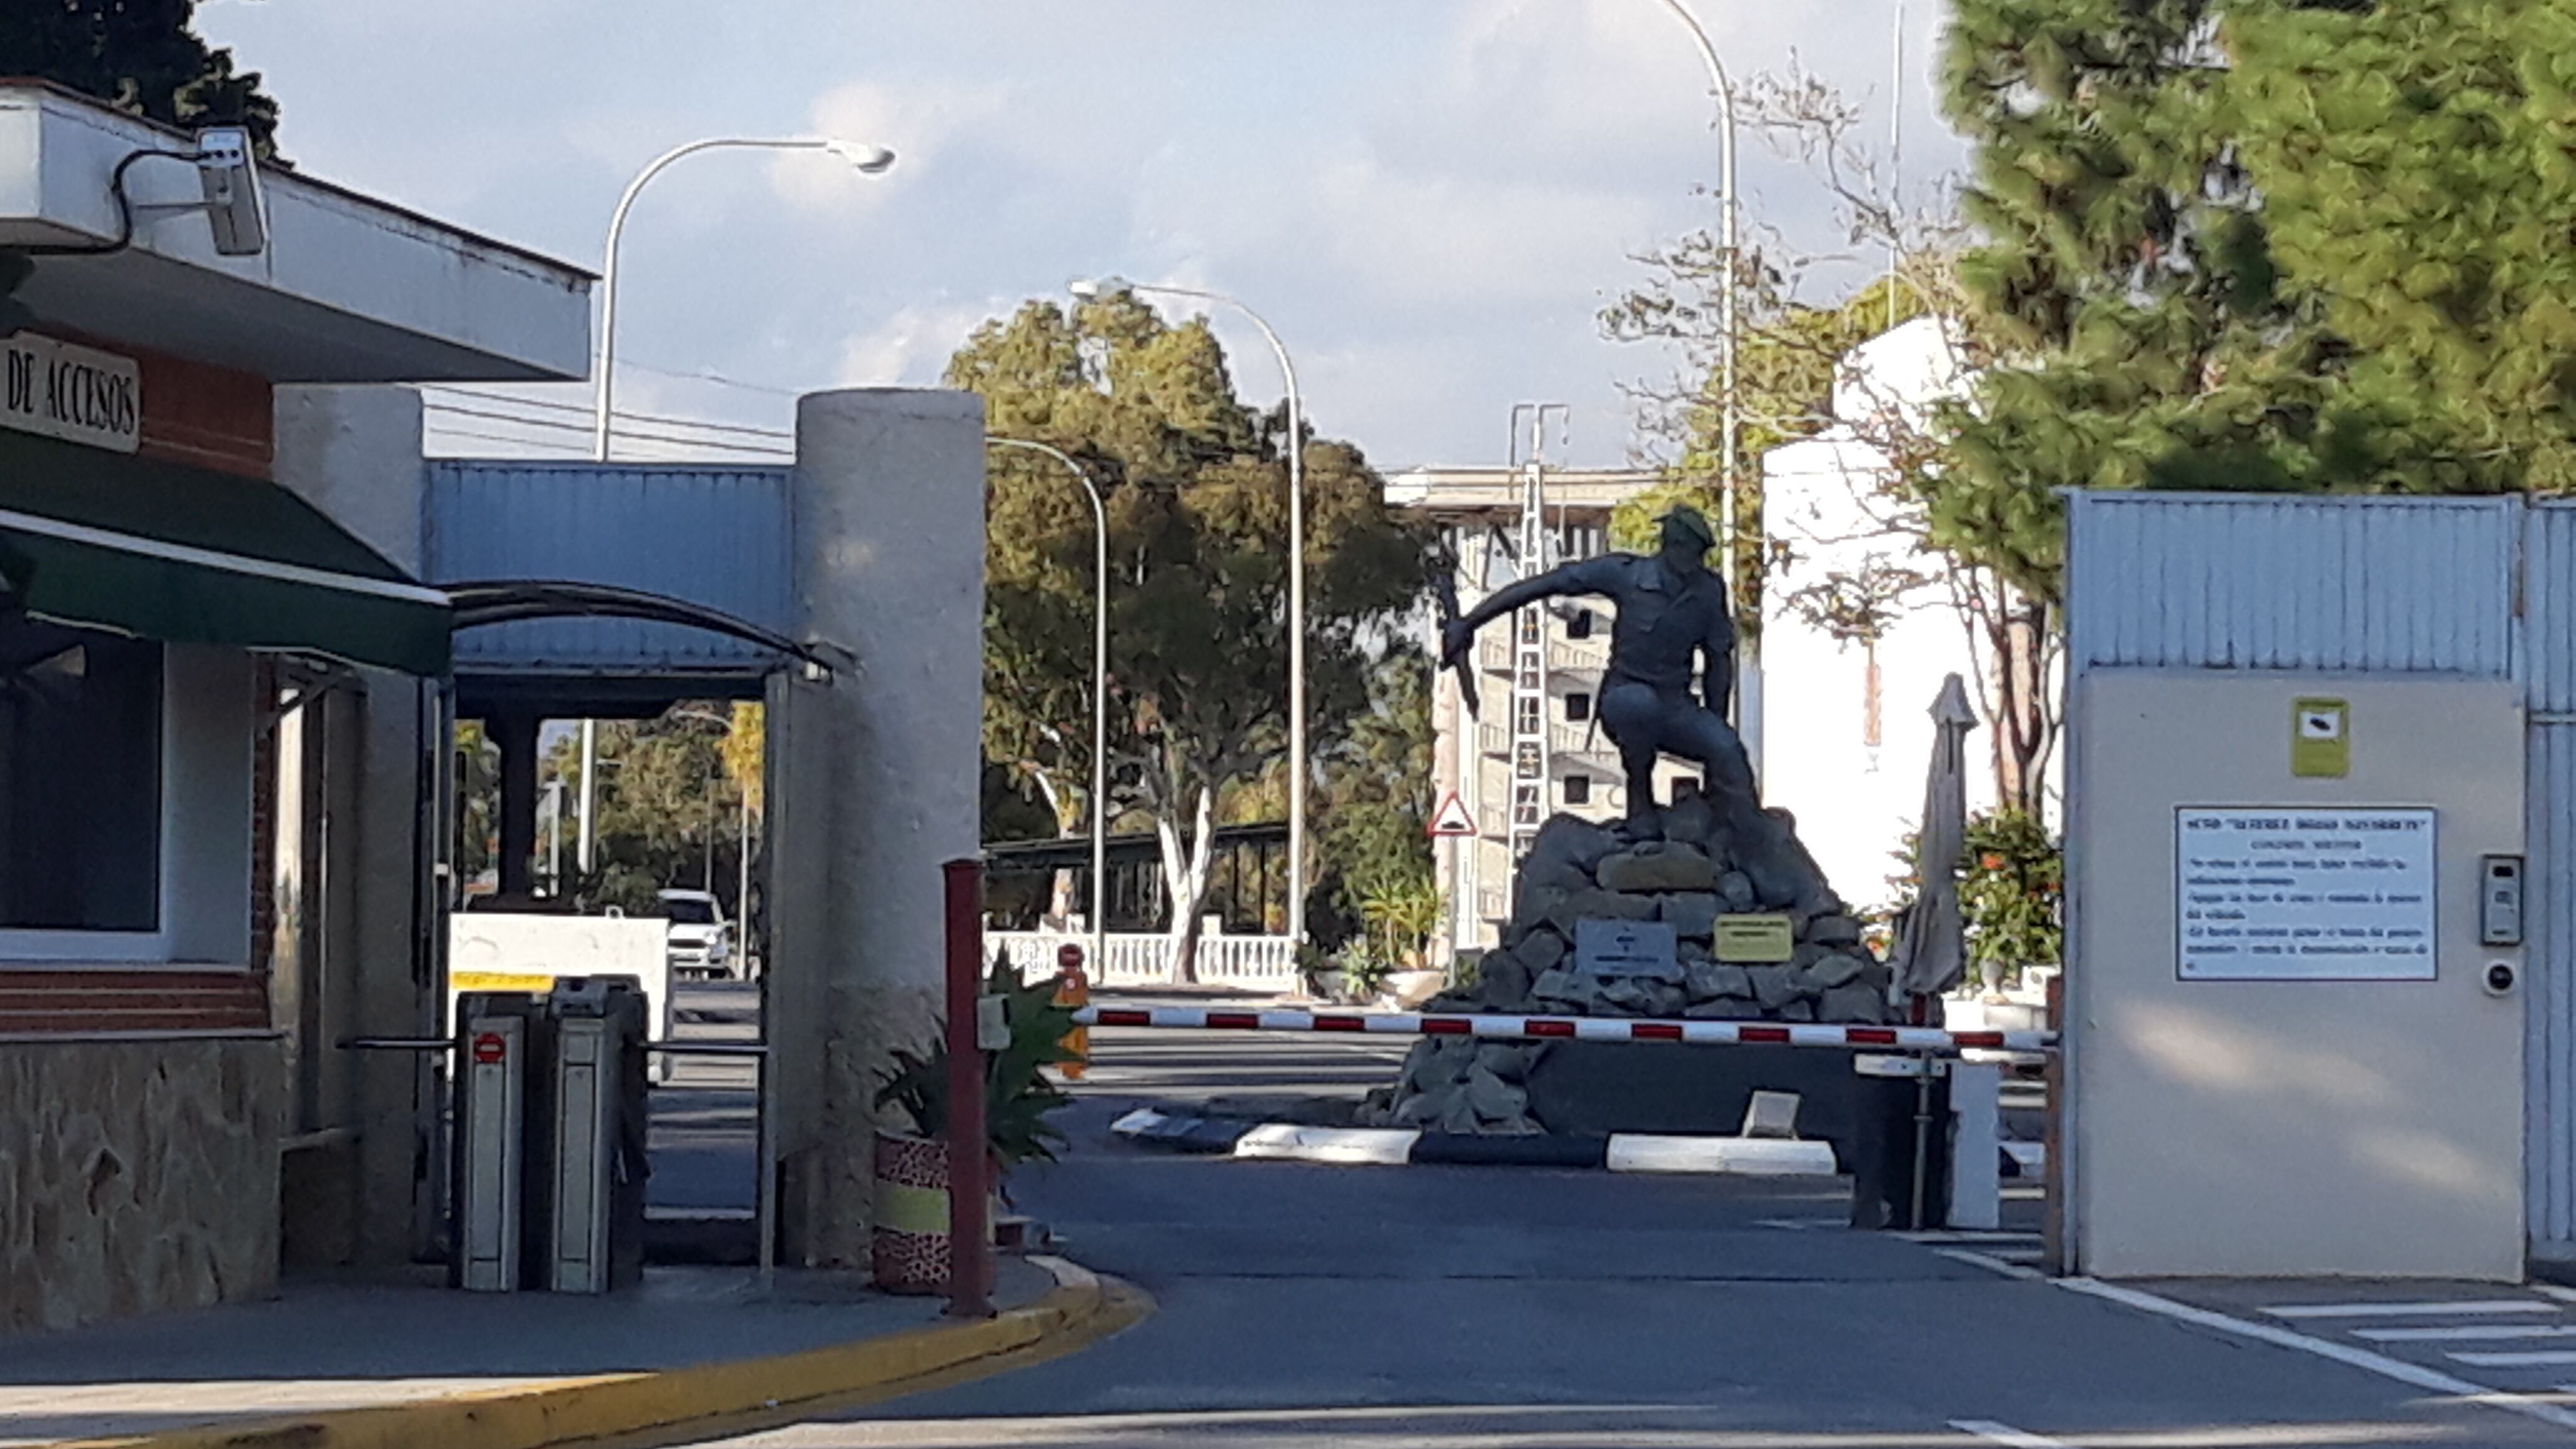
2499,978
230,177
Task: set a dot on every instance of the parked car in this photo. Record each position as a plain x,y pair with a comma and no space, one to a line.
700,940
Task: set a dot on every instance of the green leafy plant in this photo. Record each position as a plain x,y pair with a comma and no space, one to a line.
2011,891
1018,1095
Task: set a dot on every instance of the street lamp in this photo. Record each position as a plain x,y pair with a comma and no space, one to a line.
871,160
1748,655
1112,286
1099,696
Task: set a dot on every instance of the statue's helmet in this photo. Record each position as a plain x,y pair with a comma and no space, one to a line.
1687,524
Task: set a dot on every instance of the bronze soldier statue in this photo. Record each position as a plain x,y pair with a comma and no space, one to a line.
1673,621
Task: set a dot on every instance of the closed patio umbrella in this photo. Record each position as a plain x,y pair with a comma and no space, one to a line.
1930,954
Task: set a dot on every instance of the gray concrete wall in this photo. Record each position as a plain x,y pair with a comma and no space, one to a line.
2287,1128
355,453
878,774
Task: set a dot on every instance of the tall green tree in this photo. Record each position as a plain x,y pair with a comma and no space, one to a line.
1376,806
669,803
143,57
1196,483
2417,162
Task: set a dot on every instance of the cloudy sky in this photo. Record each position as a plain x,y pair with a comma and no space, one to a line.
1430,199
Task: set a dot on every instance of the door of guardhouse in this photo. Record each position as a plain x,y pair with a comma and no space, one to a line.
2287,1054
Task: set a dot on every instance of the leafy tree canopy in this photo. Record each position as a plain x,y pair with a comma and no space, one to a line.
1197,500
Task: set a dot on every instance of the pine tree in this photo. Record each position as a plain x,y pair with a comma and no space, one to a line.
2126,280
2313,245
142,56
2418,163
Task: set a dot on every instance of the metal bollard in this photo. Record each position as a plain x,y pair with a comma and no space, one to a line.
1074,992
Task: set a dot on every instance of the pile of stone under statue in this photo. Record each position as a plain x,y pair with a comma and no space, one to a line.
1578,871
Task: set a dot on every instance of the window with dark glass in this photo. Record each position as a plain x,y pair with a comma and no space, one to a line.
1578,707
80,779
1579,624
1578,790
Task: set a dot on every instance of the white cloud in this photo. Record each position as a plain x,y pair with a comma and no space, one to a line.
913,346
916,122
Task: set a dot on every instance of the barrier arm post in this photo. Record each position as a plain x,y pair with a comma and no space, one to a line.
970,1231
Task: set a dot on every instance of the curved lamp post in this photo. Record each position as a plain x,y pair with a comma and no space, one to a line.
1099,695
1747,699
871,160
1113,286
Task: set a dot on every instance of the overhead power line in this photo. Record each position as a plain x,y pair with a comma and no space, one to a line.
766,450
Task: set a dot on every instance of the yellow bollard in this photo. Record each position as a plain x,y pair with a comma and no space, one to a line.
1074,990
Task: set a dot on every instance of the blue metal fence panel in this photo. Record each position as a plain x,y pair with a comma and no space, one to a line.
714,536
2201,581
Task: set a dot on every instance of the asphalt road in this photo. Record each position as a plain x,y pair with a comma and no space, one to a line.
1428,1306
703,1117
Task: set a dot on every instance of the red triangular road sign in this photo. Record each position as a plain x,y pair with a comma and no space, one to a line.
1451,821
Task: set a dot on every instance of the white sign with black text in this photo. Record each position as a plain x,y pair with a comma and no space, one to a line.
74,393
2304,894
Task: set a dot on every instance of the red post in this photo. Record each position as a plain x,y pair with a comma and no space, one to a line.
970,1229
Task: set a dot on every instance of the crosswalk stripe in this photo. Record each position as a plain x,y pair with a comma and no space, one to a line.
2465,1332
2409,1310
2558,1358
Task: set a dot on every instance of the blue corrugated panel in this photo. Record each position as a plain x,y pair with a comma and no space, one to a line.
2199,581
717,537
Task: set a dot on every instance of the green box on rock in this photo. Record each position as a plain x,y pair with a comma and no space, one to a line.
1747,940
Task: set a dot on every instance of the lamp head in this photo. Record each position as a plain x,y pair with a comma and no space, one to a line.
874,160
1093,289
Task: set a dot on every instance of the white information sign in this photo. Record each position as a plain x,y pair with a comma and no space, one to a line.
2308,894
78,394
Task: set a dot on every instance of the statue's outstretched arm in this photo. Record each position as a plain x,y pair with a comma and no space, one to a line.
1585,576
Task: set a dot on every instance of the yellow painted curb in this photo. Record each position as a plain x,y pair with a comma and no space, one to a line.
1076,1312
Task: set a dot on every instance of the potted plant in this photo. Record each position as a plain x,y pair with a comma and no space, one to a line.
2010,893
910,1248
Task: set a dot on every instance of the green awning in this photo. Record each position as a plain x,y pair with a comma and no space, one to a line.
193,556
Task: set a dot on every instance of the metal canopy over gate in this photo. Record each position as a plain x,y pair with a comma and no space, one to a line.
715,537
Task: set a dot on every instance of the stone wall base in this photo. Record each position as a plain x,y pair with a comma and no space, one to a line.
136,1177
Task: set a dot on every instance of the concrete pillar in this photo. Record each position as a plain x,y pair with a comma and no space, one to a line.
516,735
879,773
355,453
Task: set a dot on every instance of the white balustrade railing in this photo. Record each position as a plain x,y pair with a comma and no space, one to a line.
1145,959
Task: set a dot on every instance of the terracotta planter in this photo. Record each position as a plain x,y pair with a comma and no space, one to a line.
910,1250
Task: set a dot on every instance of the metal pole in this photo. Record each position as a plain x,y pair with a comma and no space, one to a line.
970,1233
1296,598
1099,689
606,391
1748,658
589,796
1895,156
554,836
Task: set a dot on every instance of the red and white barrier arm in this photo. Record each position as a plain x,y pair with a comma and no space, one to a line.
1572,1028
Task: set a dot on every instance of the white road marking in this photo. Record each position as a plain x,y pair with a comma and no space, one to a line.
1991,1264
2414,1375
2006,1434
2464,1333
2409,1310
1970,1238
2554,1358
